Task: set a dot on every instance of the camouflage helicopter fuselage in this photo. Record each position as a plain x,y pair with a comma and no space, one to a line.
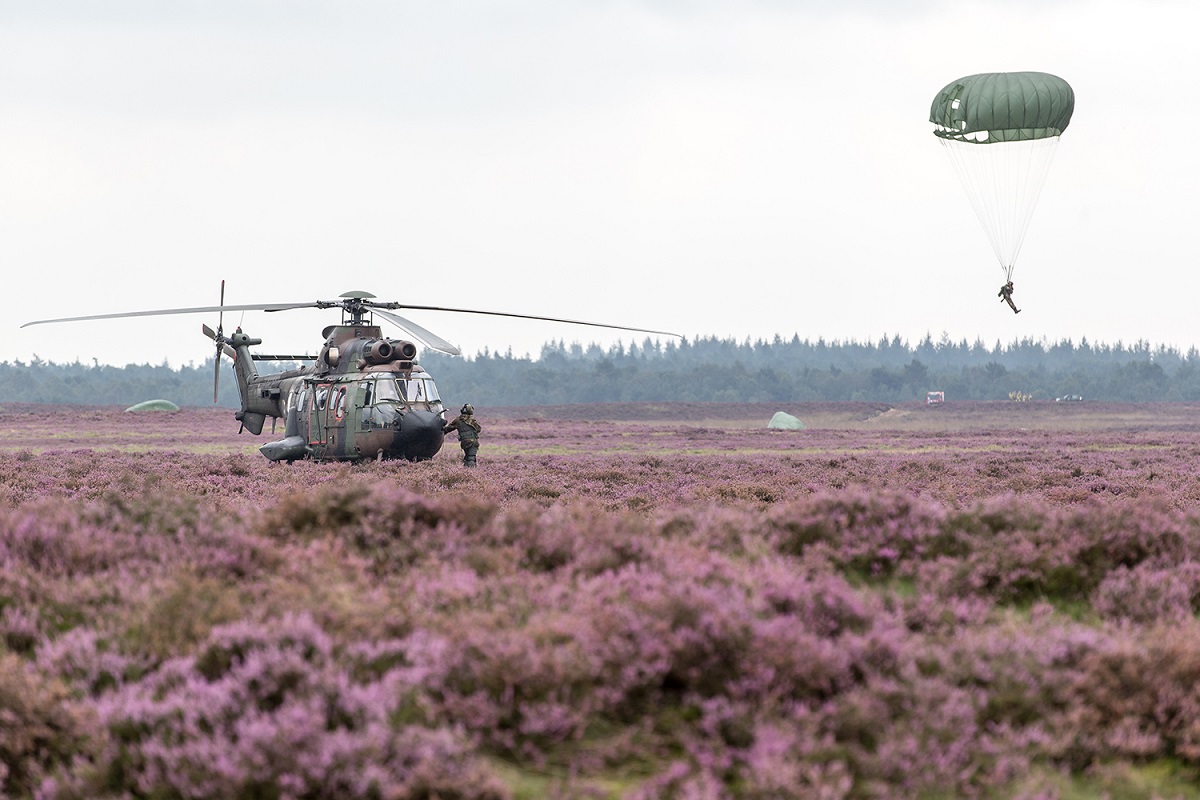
365,398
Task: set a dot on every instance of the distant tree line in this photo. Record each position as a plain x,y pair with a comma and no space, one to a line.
801,370
100,384
701,370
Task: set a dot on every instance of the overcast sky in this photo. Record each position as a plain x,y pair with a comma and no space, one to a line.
740,169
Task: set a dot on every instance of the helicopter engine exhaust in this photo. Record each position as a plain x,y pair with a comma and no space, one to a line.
406,351
378,352
385,351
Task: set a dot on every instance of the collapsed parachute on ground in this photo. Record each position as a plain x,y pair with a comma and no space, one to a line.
785,422
153,405
1000,131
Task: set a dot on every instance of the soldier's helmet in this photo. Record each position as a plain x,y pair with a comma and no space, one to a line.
467,409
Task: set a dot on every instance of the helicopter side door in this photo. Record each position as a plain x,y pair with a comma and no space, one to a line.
318,410
335,419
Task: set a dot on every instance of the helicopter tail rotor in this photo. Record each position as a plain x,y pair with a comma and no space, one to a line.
225,348
219,338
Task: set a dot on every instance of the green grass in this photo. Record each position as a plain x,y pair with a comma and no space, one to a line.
529,785
1165,779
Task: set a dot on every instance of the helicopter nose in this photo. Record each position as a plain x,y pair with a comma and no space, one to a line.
421,434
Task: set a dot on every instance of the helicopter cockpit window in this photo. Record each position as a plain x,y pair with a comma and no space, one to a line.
385,389
418,390
411,390
408,391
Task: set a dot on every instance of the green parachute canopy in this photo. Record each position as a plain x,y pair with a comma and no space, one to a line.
997,107
1020,117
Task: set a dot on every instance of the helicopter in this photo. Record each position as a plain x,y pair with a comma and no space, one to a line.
364,397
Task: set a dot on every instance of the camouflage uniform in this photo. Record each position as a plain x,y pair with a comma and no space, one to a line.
1006,295
468,436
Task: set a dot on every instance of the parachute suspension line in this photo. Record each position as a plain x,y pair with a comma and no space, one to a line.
1031,169
1003,181
977,174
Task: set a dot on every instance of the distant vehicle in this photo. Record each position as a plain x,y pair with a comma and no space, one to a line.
935,398
1069,398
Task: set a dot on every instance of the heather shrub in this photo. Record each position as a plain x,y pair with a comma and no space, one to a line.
19,629
146,506
269,711
1022,551
964,707
891,732
1023,564
604,610
737,532
542,660
882,729
223,551
1021,669
794,760
179,615
875,533
323,510
684,781
928,611
996,516
958,714
399,510
59,541
88,662
541,663
520,691
40,730
1126,534
391,525
581,537
1149,593
51,541
685,614
1136,697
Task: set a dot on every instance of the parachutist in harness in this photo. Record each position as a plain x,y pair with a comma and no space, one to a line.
999,131
1006,292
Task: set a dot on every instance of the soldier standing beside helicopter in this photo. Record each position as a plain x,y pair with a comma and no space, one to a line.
468,433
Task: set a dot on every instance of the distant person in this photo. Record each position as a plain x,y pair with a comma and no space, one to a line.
468,433
1005,294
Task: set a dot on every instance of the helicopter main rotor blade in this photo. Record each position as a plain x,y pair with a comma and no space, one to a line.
526,316
164,311
428,338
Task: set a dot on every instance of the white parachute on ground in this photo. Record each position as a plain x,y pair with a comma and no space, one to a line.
785,422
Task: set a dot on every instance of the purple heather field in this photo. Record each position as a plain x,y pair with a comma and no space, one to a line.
992,600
